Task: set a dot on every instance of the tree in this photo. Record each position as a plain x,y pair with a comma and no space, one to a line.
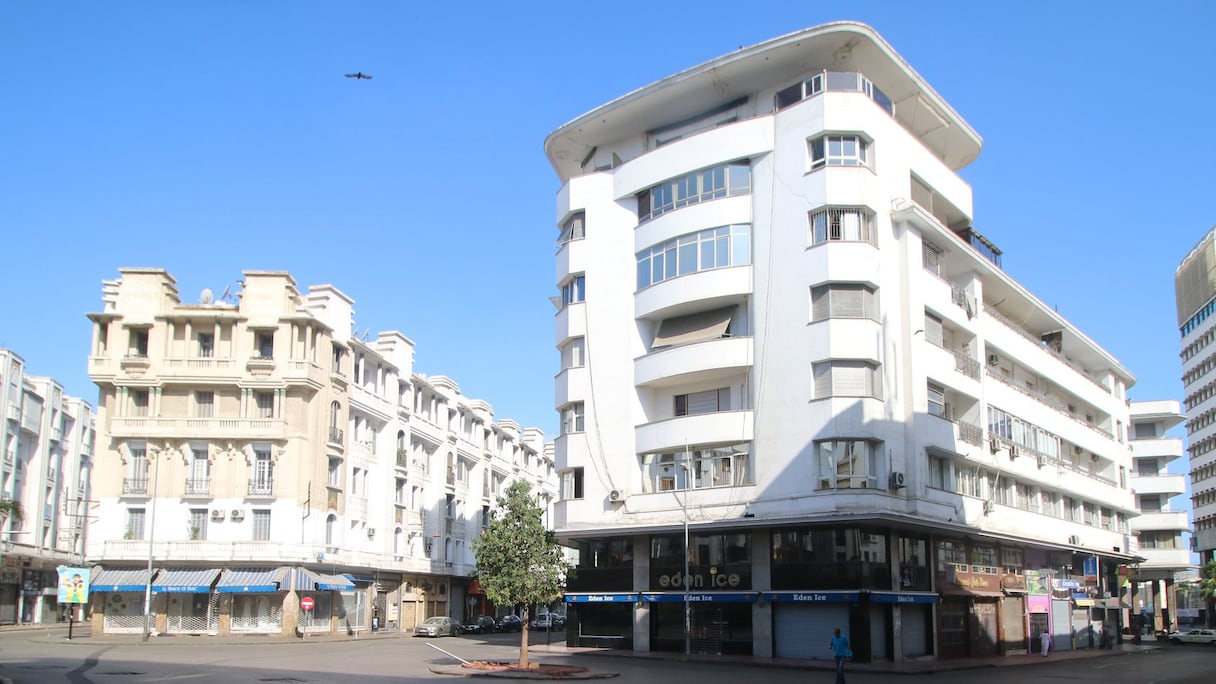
1207,589
518,561
10,507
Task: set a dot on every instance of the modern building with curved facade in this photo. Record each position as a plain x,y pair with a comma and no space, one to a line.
796,381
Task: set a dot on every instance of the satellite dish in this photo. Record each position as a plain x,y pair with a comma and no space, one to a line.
206,295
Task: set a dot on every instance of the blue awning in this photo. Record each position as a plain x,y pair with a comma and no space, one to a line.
602,598
902,597
334,583
241,580
810,596
185,580
698,597
120,579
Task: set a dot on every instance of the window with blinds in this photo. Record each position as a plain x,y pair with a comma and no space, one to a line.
261,525
847,378
933,330
709,401
843,300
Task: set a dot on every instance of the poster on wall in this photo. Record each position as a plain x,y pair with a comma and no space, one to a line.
73,584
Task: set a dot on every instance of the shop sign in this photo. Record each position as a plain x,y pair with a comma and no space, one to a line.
600,598
1037,583
973,581
1012,582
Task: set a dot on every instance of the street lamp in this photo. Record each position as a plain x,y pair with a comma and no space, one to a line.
151,535
687,577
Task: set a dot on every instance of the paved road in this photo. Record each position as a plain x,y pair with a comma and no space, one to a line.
45,657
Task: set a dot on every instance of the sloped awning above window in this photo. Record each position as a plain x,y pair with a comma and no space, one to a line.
698,327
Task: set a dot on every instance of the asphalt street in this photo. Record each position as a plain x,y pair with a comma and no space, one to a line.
46,657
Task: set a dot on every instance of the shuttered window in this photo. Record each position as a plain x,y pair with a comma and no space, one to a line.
933,329
709,401
846,378
843,300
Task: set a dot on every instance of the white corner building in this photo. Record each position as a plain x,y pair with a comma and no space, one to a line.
798,391
1195,296
264,469
47,462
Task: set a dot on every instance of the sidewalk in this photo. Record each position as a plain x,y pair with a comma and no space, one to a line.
57,633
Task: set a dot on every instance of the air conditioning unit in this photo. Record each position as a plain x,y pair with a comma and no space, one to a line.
1042,460
988,507
1013,451
217,515
1074,540
238,514
616,496
994,445
994,360
1077,450
897,480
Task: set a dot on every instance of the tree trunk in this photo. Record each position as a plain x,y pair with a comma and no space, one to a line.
523,642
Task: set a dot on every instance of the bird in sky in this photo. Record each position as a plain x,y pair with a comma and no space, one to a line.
359,74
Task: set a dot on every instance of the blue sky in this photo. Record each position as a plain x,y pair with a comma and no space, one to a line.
213,137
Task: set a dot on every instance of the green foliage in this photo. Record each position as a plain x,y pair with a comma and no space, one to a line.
519,563
9,507
1207,589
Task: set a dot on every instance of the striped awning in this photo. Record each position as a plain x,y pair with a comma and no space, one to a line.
242,580
185,580
335,583
299,579
120,579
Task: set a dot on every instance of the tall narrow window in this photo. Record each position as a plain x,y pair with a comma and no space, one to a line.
206,345
264,402
138,343
139,402
198,524
572,484
264,342
331,530
574,290
200,471
334,476
135,524
263,471
573,353
572,418
261,525
204,404
937,401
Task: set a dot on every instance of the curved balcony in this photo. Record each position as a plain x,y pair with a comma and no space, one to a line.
572,384
1166,520
846,262
1170,485
1167,448
572,258
845,338
673,366
704,290
571,322
702,428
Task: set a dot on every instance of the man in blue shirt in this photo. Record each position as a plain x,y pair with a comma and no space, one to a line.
839,646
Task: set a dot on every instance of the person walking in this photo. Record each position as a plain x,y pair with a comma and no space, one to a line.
839,646
1045,642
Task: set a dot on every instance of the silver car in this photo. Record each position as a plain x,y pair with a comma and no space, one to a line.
1195,636
438,626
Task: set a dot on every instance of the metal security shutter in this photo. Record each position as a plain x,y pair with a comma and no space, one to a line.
878,631
914,637
1061,625
804,631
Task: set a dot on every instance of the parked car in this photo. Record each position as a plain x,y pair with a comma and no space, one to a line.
1206,637
439,626
482,624
510,623
547,622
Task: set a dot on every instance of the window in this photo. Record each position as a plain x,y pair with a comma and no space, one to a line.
937,401
135,524
331,530
198,524
709,401
933,330
572,229
264,344
572,484
399,492
204,404
931,258
336,361
139,402
358,482
843,300
573,353
206,345
939,472
264,402
138,343
713,183
950,552
839,150
839,224
574,290
841,378
200,471
846,464
572,418
717,466
704,250
263,470
334,474
261,525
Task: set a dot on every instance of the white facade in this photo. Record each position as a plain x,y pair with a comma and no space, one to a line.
767,266
249,435
47,459
1195,294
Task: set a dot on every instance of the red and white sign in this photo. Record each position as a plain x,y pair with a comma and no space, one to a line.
307,603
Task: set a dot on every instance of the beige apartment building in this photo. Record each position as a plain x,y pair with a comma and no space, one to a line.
262,468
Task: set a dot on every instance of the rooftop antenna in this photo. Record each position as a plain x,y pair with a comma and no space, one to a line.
206,296
366,332
224,297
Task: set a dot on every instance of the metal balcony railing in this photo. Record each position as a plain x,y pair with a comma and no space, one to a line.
335,435
135,485
198,485
261,486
